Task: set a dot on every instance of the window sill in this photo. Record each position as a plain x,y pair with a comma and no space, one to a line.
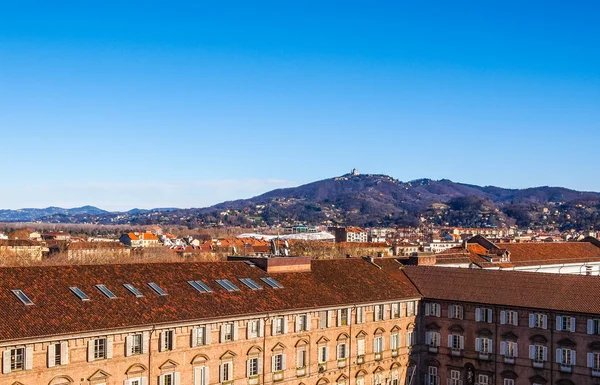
433,349
539,365
456,352
484,356
278,376
341,363
301,372
253,380
595,372
360,360
378,356
509,360
566,369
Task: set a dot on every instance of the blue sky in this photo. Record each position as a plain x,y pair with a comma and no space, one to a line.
152,104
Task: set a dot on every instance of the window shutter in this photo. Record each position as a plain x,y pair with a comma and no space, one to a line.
198,375
516,350
297,324
248,363
161,380
90,351
572,324
349,316
64,350
128,346
545,321
234,333
249,330
206,376
590,326
450,341
261,328
109,347
451,311
161,343
221,371
386,312
273,332
590,360
285,325
308,321
558,323
51,355
283,364
477,314
531,320
503,348
273,363
531,352
427,309
194,338
28,358
462,342
545,351
573,357
428,338
559,356
489,315
145,342
327,353
516,319
375,313
328,318
144,381
502,317
127,382
339,317
491,346
477,344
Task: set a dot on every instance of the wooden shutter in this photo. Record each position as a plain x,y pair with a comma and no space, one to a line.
573,324
51,355
283,363
451,311
198,375
298,323
558,323
176,376
109,347
545,353
428,338
128,346
450,341
545,321
478,344
503,317
328,318
308,321
234,333
285,324
559,356
194,337
590,360
462,342
64,351
573,357
161,379
386,312
145,342
161,343
208,335
28,358
478,314
531,320
427,309
261,327
273,328
516,350
503,348
144,380
590,326
531,352
90,351
491,346
489,315
516,318
339,317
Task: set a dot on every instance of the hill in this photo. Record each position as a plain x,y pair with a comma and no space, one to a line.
365,200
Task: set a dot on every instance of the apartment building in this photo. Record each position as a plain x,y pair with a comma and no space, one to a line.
279,320
507,328
349,234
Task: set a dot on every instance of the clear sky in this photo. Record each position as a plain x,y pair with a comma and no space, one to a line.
124,104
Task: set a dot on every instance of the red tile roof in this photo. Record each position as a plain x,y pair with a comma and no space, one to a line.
57,311
562,292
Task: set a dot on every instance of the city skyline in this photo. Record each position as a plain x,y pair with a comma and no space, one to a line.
187,105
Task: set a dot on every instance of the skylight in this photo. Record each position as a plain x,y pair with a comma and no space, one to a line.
271,282
80,294
106,291
250,283
23,297
200,286
227,285
133,290
157,288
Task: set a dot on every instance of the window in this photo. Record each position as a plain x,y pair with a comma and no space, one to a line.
22,297
432,376
106,291
136,344
200,286
378,312
17,359
227,285
454,377
538,354
79,293
538,320
301,359
324,317
226,372
360,347
301,323
509,317
323,354
133,290
254,329
593,362
411,338
433,339
565,323
271,282
456,342
455,311
360,315
395,310
250,283
169,379
342,352
593,326
99,348
433,309
483,346
509,381
58,354
378,344
278,363
157,289
227,332
201,336
510,351
483,379
395,341
410,308
343,317
483,314
253,367
566,359
278,326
